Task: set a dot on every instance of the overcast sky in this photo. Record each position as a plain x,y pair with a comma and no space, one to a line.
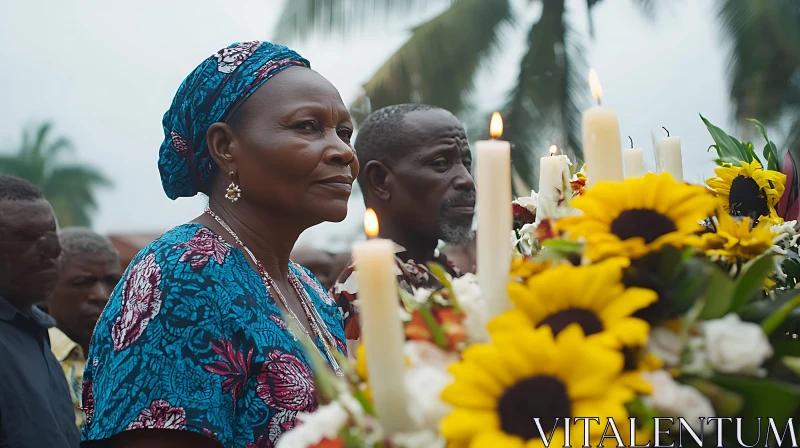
105,72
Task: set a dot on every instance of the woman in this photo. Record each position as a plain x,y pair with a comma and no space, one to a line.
192,349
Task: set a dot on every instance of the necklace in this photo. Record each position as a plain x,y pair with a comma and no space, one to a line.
312,315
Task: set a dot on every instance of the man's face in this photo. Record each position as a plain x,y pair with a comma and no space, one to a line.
29,251
82,291
433,193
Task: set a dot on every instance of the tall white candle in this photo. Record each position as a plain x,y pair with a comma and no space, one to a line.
668,156
601,143
634,161
495,220
381,328
551,178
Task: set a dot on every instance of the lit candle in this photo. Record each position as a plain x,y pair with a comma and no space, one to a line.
495,219
634,161
381,328
551,177
601,144
668,156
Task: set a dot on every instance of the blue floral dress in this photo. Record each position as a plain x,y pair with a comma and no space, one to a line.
191,341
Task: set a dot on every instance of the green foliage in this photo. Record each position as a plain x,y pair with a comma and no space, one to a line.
70,189
732,151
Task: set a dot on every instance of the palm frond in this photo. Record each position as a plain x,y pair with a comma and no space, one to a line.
437,65
300,19
764,54
544,106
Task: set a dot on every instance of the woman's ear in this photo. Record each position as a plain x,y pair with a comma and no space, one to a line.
222,146
379,180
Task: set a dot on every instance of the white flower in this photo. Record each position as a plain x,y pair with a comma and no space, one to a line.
529,202
421,295
428,439
733,346
323,423
672,399
665,344
426,377
468,295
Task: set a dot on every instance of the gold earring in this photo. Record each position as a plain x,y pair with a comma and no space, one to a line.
234,192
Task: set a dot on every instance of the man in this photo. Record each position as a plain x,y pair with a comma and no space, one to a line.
464,256
35,406
89,271
416,176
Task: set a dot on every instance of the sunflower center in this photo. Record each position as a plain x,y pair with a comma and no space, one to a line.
745,198
631,355
541,396
588,321
643,223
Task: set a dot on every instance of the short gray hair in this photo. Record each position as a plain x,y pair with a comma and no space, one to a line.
80,240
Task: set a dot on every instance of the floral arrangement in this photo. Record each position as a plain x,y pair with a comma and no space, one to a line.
633,301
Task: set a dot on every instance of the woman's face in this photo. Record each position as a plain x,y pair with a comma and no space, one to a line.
291,147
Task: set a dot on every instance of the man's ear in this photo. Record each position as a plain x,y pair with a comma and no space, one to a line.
379,180
222,147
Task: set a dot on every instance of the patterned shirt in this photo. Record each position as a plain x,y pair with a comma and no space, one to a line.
72,360
410,276
191,341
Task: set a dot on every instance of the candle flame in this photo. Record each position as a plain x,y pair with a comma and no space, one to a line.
496,126
553,150
594,84
371,223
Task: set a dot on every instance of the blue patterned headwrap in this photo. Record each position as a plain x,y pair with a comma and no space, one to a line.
204,97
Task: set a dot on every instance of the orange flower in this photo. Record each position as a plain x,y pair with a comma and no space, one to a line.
452,324
546,230
417,329
328,443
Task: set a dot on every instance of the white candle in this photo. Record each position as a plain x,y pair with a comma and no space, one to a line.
601,143
634,162
668,156
381,328
551,178
495,220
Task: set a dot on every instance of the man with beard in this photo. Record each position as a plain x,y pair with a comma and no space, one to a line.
417,176
89,271
35,406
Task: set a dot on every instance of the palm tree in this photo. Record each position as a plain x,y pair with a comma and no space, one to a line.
69,188
439,62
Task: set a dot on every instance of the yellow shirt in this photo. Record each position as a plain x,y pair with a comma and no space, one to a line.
73,361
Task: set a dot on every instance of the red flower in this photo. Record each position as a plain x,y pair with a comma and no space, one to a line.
202,247
286,383
546,230
160,415
522,215
234,367
329,443
141,302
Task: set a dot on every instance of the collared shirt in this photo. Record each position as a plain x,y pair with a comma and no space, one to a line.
35,406
72,360
410,276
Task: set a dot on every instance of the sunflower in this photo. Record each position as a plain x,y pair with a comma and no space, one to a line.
592,296
639,215
737,240
524,268
748,190
499,388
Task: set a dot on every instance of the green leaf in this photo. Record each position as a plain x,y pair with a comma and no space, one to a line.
770,150
437,333
751,280
762,398
793,363
728,147
779,316
719,295
438,271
